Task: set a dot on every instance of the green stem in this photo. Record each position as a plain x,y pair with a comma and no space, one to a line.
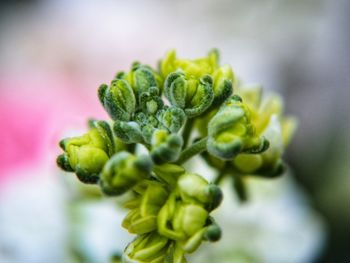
187,132
193,150
240,187
220,176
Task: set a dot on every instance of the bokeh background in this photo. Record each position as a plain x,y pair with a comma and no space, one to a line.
54,55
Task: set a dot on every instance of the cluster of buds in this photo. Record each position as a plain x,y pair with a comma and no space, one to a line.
159,110
171,216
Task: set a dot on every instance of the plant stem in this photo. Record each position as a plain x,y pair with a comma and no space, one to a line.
220,176
193,150
187,132
240,187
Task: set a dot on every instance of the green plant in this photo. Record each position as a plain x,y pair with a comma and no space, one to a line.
186,108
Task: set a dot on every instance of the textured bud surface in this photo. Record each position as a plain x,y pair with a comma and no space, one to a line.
184,109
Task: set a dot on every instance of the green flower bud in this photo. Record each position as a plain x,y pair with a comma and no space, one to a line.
142,78
231,131
190,218
148,124
147,133
150,101
213,233
194,96
87,154
120,75
194,188
144,119
123,171
105,132
215,196
137,224
63,162
143,218
185,216
223,78
269,121
195,68
268,163
183,222
118,99
172,118
150,247
165,147
128,132
153,198
247,163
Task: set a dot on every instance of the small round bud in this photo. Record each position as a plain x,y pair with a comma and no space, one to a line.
215,196
213,233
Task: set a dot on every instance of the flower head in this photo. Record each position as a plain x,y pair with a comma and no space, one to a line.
169,208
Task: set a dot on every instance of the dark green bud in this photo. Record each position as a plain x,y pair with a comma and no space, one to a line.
148,124
226,150
212,233
118,99
223,87
215,196
165,147
120,75
261,147
147,133
63,163
143,79
194,96
101,92
150,101
172,118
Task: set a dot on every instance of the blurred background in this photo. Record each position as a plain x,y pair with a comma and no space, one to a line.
54,55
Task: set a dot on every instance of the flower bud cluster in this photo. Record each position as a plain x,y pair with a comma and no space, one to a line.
86,155
257,132
171,219
159,110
